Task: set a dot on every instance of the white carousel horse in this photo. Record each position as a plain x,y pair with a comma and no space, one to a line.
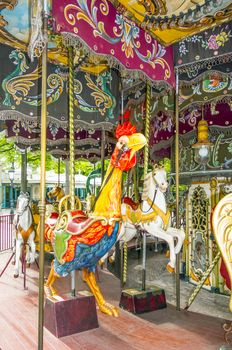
153,216
24,231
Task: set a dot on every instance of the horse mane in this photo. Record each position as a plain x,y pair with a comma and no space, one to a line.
146,185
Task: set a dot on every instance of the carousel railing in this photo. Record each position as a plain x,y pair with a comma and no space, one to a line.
6,232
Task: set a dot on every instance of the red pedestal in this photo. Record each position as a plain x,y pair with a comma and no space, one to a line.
70,315
138,302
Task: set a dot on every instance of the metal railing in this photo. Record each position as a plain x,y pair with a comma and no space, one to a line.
6,232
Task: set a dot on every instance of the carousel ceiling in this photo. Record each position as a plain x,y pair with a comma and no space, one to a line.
172,20
114,34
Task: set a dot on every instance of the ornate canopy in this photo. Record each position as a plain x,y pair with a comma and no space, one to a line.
172,20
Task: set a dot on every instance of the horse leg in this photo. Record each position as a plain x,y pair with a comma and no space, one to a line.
24,265
31,243
180,235
158,232
127,233
17,257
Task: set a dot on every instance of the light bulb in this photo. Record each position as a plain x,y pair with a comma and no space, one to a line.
203,151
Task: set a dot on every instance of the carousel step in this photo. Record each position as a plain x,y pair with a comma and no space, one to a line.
140,301
68,315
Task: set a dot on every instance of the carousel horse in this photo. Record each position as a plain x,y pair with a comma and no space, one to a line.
24,232
57,192
151,216
79,241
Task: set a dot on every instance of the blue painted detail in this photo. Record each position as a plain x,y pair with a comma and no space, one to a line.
87,256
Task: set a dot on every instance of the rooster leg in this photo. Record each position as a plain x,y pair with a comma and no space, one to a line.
48,288
105,307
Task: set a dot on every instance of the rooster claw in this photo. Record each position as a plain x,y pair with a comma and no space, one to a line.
109,309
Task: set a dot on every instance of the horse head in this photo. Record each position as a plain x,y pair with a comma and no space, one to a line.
159,176
56,192
22,203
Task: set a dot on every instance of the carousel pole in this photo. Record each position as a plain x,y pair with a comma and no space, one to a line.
135,180
24,170
146,161
71,147
177,170
103,141
59,171
42,183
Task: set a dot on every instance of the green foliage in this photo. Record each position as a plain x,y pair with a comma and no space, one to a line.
83,167
8,153
166,162
98,164
33,159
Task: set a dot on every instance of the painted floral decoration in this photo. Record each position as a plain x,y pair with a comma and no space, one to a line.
216,41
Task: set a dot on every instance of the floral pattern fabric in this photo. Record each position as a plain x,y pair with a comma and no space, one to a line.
209,44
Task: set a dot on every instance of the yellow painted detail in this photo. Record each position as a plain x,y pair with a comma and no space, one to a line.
137,216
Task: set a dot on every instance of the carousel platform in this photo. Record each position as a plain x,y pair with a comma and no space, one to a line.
165,329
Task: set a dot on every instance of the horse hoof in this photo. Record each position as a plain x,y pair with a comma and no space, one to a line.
16,275
101,263
167,254
111,260
170,268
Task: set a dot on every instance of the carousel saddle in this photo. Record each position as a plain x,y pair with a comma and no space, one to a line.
135,215
131,203
71,226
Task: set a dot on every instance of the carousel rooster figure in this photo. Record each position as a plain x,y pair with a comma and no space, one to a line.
80,241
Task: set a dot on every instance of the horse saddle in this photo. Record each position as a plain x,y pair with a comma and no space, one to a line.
136,216
131,203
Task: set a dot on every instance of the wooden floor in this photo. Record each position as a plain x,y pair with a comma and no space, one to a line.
162,330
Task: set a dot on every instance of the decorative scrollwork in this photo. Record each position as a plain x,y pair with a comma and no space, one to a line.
199,209
9,5
222,229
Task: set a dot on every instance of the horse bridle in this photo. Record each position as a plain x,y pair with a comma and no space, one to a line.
154,197
57,191
21,213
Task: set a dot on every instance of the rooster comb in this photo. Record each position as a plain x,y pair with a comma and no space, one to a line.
126,128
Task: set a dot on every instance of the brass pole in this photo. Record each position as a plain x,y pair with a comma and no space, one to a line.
59,171
147,128
128,183
177,187
72,148
71,129
42,189
24,170
146,161
103,140
204,277
135,178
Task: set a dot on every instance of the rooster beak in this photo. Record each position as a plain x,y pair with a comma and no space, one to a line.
136,142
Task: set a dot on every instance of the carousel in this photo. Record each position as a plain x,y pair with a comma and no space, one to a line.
144,87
